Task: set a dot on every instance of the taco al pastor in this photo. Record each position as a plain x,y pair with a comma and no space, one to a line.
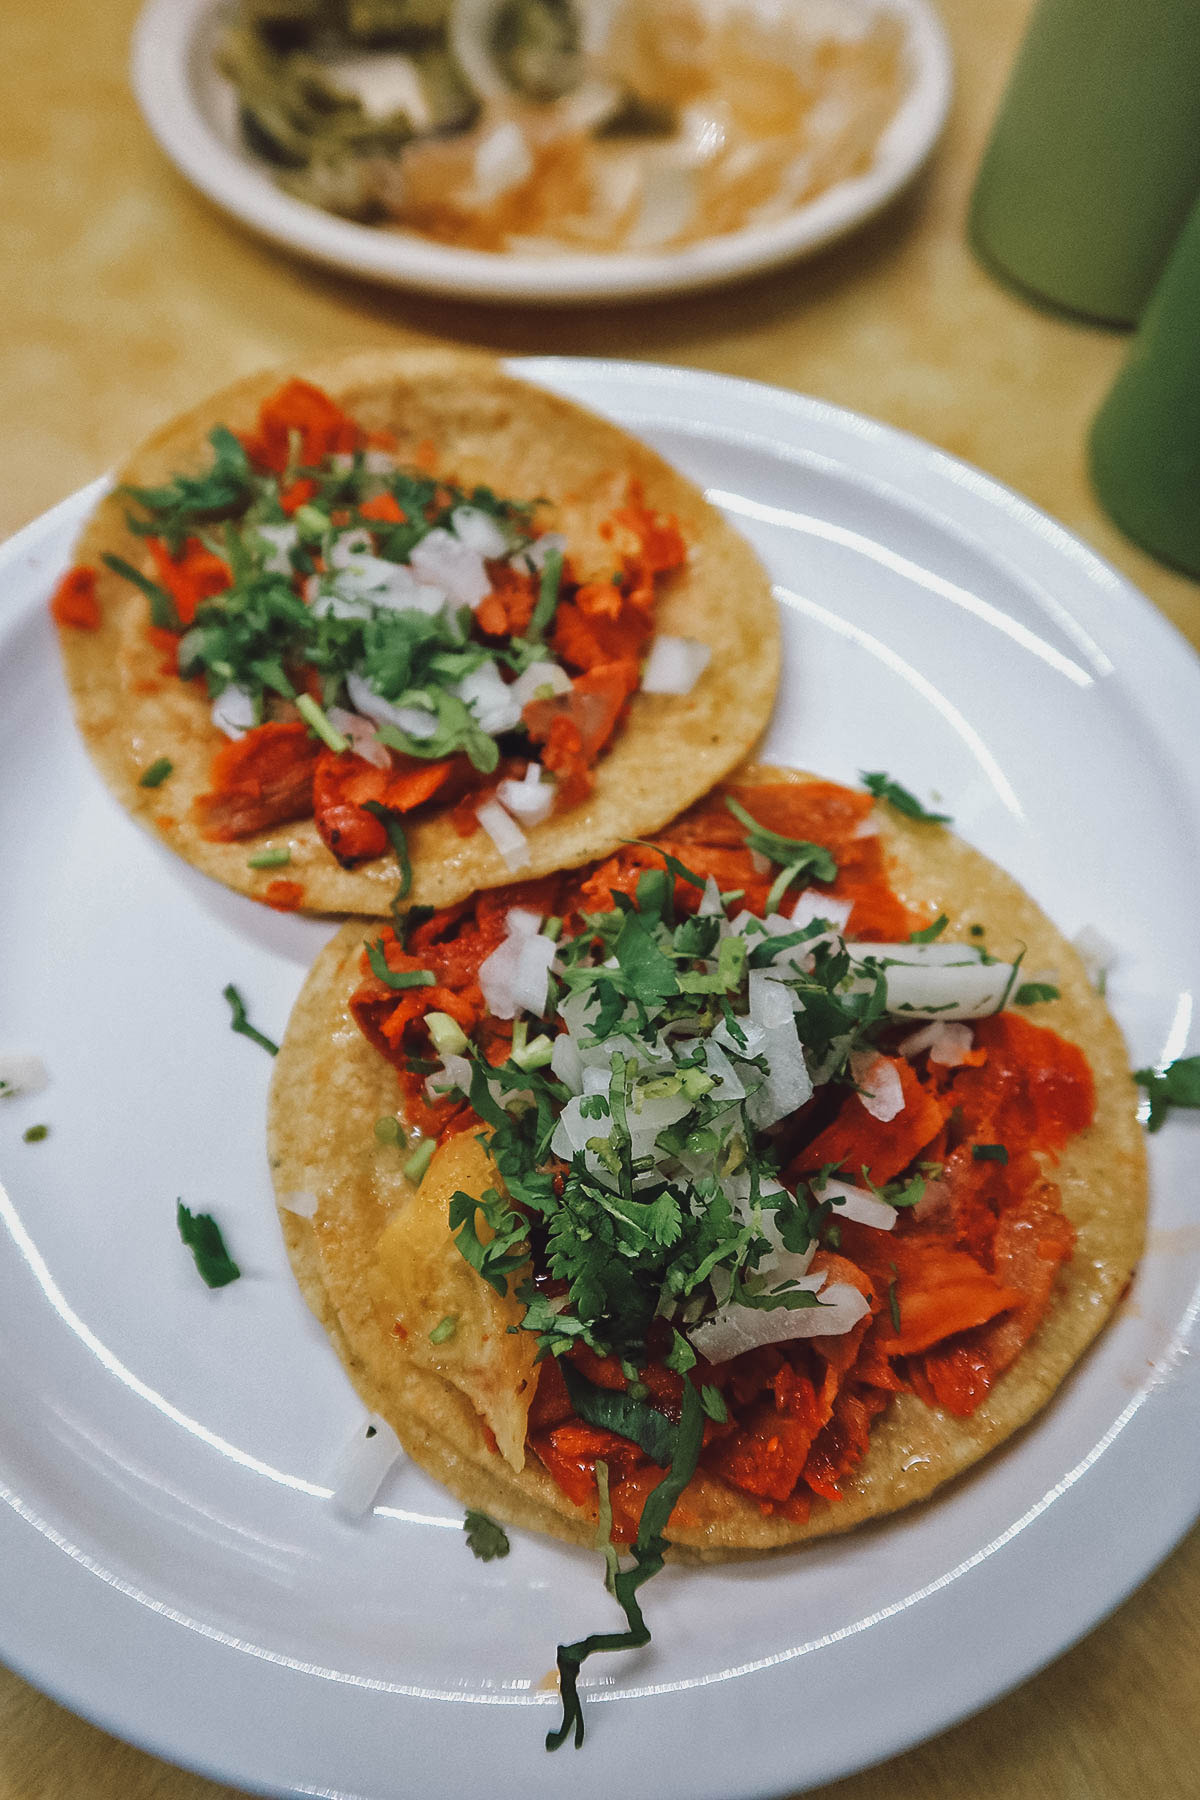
408,609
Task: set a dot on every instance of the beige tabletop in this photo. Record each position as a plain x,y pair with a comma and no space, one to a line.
127,297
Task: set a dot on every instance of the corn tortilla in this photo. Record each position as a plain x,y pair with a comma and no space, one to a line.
330,1086
487,428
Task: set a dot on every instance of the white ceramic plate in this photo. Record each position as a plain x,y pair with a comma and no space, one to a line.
192,112
172,1565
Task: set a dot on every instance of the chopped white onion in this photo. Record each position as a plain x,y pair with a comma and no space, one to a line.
505,833
788,1083
233,711
455,1072
669,197
529,685
812,904
539,550
856,1203
878,1084
21,1074
490,699
444,561
503,161
530,800
944,981
478,531
301,1201
515,975
417,721
363,1466
1096,952
674,665
281,539
948,1043
361,733
532,979
739,1328
360,578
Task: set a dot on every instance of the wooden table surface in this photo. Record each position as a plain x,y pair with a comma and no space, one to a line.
127,297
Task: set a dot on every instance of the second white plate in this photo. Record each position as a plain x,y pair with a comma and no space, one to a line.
192,112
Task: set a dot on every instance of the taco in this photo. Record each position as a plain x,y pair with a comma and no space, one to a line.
406,610
793,1152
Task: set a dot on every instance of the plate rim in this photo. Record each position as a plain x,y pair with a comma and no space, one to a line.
161,53
998,503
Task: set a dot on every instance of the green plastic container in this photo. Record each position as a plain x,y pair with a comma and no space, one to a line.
1094,160
1145,443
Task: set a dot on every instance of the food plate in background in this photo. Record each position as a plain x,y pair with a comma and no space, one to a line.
174,1568
192,111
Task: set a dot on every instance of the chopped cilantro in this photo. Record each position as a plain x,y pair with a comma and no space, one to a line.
157,773
274,857
547,600
893,1299
713,1402
617,1410
884,788
1030,993
388,1130
35,1133
316,721
931,932
202,1235
393,825
415,1166
648,1556
485,1538
1176,1085
240,1023
989,1153
163,613
396,978
445,1329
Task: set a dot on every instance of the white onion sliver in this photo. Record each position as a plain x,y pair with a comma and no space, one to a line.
1096,952
856,1203
531,800
233,711
363,1466
301,1201
361,733
532,979
812,904
539,675
739,1328
675,665
489,698
878,1084
505,833
478,531
443,561
417,721
21,1074
943,981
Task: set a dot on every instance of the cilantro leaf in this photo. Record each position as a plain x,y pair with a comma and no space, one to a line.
392,823
931,932
162,608
648,1557
485,1538
884,788
1030,993
547,600
1176,1085
157,773
202,1235
616,1410
396,978
176,508
240,1023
